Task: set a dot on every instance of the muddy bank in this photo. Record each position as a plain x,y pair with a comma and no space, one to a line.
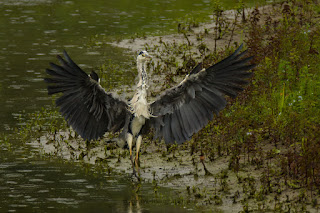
219,188
204,33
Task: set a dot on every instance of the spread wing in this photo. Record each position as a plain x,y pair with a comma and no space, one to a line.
185,109
86,106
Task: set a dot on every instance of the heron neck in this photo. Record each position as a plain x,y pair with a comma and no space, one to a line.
138,104
143,77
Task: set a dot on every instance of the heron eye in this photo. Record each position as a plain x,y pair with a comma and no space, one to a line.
143,55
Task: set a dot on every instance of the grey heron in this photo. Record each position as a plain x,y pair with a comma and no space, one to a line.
175,115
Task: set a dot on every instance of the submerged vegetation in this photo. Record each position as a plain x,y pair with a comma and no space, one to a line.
266,142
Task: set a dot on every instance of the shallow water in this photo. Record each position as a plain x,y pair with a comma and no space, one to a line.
29,183
32,32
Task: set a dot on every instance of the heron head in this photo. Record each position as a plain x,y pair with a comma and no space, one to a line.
143,56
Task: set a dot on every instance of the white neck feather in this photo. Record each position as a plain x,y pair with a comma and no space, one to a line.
138,104
142,74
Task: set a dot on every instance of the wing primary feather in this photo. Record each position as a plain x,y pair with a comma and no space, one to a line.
183,124
186,121
206,108
240,55
203,111
233,71
197,116
66,66
197,69
225,61
192,116
60,70
73,65
216,102
175,128
167,129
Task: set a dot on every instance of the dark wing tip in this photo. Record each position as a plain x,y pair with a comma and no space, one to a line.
65,53
236,52
67,57
94,76
59,58
197,69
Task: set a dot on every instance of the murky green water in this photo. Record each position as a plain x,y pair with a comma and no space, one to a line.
32,32
29,183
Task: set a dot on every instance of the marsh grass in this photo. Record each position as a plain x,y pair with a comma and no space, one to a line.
274,125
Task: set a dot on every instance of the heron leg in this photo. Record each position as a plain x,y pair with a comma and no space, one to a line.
138,145
129,141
